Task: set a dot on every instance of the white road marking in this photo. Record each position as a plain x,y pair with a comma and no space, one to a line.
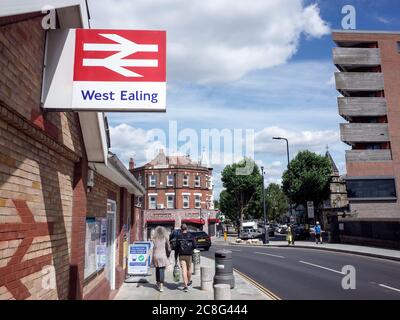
387,287
268,254
325,268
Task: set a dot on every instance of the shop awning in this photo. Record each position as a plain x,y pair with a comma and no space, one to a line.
166,221
214,220
193,220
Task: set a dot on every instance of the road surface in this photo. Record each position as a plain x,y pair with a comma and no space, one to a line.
295,273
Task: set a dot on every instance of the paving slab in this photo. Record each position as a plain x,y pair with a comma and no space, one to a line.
244,289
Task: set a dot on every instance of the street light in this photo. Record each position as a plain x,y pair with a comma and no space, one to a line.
266,235
288,168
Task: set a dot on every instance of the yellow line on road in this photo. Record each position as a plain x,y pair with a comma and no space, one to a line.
264,290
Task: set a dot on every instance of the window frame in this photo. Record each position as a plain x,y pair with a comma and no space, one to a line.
150,180
183,201
185,180
197,179
172,201
150,202
168,180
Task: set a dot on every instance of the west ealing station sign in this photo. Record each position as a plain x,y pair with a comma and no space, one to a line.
106,70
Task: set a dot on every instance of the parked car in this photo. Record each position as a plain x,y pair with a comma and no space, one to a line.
250,234
282,229
271,231
202,239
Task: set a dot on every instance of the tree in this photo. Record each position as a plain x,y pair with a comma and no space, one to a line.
309,179
241,190
276,202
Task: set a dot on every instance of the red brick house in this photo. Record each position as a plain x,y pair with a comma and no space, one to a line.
67,205
178,190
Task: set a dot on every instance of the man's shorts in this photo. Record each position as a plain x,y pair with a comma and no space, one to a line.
186,262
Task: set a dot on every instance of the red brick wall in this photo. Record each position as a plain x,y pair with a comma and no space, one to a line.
38,175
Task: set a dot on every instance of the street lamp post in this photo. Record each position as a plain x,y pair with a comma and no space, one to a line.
288,168
266,235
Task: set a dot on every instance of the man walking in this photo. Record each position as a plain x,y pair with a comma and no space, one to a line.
185,244
318,231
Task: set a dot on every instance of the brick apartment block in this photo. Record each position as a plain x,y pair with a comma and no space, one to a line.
368,79
178,190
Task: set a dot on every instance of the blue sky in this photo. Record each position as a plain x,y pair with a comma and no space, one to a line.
265,67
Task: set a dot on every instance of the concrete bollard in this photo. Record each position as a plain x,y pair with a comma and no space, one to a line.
196,261
222,291
206,278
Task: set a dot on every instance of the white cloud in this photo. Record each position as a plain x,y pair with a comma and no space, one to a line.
217,40
298,140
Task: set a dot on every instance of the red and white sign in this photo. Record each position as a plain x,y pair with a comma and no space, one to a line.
119,70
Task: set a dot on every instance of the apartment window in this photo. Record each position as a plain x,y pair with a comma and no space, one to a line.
185,180
373,147
197,181
170,180
197,201
170,202
152,202
185,201
152,180
371,188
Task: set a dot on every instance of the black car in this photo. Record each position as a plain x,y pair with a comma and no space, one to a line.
202,239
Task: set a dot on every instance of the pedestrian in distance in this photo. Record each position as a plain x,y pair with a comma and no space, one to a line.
318,233
290,234
185,244
161,253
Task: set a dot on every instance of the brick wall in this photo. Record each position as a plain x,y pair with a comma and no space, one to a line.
38,156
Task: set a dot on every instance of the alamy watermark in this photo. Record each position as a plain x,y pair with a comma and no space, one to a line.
218,146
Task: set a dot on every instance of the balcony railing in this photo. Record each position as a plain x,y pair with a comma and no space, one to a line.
359,81
356,57
368,155
364,132
362,107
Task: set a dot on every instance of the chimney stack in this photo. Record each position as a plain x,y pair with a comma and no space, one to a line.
131,164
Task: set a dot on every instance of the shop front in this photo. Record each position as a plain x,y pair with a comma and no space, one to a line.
151,225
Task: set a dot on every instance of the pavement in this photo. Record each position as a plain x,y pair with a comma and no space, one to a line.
299,272
244,289
337,247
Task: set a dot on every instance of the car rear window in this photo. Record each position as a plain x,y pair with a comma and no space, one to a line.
199,234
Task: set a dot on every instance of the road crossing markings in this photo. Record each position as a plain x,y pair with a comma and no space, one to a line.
269,254
264,290
387,287
325,268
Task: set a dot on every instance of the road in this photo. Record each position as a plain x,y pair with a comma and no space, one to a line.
295,273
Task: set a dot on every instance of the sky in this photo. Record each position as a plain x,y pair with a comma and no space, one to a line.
247,70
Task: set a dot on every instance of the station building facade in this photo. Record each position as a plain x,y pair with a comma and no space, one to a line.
68,206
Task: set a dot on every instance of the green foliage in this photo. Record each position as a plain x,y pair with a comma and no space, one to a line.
276,201
241,197
309,178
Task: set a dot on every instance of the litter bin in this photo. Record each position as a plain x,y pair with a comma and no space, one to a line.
224,268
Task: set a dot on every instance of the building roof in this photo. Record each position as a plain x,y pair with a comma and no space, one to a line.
335,169
163,159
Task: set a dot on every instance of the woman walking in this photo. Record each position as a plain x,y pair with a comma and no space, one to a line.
161,252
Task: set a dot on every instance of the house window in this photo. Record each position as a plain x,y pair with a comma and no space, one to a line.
170,202
152,202
197,181
185,201
197,201
170,180
185,180
152,180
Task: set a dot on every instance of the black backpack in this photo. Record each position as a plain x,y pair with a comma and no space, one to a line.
185,246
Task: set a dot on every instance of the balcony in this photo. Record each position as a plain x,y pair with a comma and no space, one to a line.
364,132
368,155
356,57
361,107
359,81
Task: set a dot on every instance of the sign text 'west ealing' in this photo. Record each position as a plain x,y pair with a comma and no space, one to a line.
123,95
